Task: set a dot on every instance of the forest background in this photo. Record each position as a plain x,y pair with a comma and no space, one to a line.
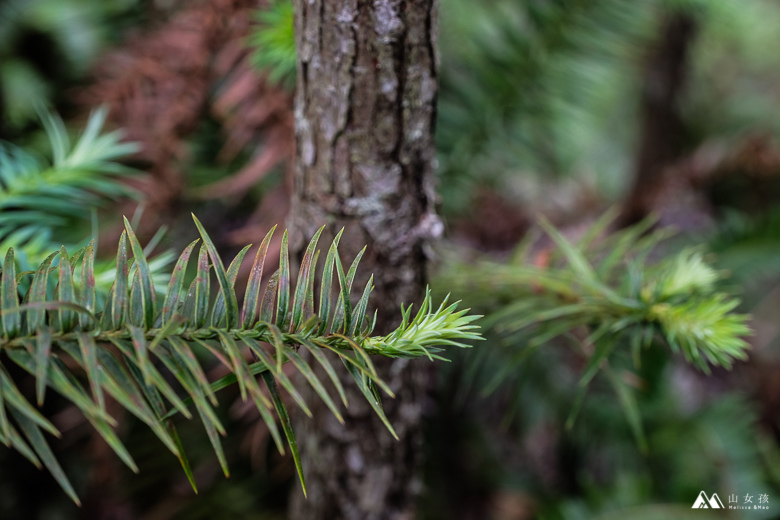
558,110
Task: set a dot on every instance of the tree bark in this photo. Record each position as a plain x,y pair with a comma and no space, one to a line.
364,116
663,132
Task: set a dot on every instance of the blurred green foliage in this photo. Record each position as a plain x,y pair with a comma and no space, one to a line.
273,42
536,96
47,46
560,314
534,90
45,205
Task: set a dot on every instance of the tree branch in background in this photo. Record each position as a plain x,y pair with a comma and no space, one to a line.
662,138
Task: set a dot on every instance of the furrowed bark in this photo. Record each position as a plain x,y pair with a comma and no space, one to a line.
365,111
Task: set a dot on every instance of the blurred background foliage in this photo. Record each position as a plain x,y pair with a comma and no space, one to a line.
554,108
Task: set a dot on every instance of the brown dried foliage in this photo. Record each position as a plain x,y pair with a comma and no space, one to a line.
164,80
688,193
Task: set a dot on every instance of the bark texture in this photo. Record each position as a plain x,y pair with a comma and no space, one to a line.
364,116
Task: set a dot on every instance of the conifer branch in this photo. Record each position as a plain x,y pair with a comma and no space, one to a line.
131,348
603,293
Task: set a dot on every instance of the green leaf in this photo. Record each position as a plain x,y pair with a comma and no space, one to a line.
107,316
576,259
357,362
598,228
188,373
183,460
284,417
120,385
105,431
327,366
360,354
143,371
173,295
305,280
136,307
252,295
603,348
141,355
314,381
215,442
216,351
283,289
326,287
202,288
119,302
231,304
151,394
38,442
58,135
16,401
62,381
630,407
147,286
360,308
188,360
310,320
88,291
577,406
262,355
230,380
245,376
625,241
17,442
57,305
5,429
218,314
342,321
11,317
240,368
38,293
278,342
365,387
267,304
89,355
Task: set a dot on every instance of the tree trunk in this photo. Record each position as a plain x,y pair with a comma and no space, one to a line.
364,117
663,132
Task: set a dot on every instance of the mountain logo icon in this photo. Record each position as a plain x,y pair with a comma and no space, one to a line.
702,502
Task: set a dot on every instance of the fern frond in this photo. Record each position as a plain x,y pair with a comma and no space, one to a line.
136,343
